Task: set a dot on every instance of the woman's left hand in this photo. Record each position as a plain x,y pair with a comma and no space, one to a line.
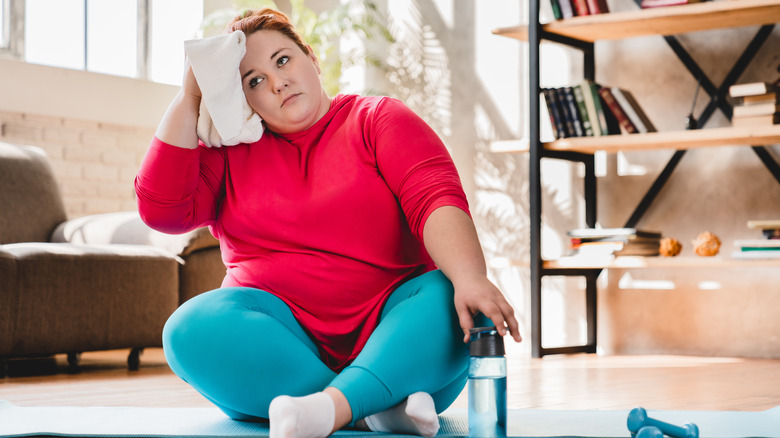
481,295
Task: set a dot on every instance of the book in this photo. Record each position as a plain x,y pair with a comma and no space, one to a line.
613,125
661,3
601,116
556,9
553,108
753,121
748,244
580,7
632,239
763,224
761,98
617,248
611,232
758,109
573,111
614,107
567,10
598,7
587,126
590,107
753,89
752,255
560,95
632,109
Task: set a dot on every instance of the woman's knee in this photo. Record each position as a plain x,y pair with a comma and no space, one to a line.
201,324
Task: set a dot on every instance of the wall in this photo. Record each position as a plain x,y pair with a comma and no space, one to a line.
95,129
728,312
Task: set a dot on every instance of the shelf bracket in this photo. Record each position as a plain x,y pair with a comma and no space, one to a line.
718,100
768,161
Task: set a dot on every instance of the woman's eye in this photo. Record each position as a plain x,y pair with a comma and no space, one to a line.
254,82
282,60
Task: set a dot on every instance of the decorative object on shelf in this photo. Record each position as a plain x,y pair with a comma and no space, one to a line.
706,244
670,247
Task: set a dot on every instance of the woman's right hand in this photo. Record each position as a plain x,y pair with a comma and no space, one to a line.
189,83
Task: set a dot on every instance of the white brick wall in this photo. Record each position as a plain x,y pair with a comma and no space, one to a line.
94,163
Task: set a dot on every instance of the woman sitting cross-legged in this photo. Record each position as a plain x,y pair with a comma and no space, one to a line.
354,271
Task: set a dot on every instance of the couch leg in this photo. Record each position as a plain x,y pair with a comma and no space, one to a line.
134,359
73,362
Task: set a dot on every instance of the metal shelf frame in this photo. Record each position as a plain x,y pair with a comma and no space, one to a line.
717,96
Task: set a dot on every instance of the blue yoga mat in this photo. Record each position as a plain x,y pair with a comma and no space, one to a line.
210,422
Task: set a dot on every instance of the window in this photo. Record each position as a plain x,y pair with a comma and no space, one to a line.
172,23
5,23
132,38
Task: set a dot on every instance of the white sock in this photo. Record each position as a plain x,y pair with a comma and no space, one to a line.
416,415
312,416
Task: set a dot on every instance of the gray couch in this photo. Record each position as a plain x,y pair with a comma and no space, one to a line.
98,282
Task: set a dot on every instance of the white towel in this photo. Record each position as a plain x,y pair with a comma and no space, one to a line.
225,119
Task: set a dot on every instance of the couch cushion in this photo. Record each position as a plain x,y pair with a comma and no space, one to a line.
30,202
126,227
86,297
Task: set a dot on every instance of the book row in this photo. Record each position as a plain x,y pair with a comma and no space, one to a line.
589,109
575,8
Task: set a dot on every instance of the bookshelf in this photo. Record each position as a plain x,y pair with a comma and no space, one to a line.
659,21
699,138
581,33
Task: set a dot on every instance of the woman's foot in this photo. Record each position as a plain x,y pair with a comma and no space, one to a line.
416,415
312,416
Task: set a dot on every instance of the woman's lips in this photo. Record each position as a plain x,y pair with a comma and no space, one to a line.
289,99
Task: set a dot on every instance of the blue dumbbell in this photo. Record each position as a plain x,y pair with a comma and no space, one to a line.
637,419
649,432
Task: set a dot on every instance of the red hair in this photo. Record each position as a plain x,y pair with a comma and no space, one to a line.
253,20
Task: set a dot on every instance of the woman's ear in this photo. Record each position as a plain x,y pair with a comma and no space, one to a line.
314,59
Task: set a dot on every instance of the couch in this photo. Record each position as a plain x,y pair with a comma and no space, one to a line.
99,282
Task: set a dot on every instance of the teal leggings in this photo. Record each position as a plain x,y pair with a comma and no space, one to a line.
241,347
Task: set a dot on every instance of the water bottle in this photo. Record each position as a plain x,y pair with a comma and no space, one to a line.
487,383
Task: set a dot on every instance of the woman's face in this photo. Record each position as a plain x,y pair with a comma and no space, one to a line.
282,83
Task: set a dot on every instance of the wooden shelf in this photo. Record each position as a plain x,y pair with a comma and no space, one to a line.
669,20
759,136
636,262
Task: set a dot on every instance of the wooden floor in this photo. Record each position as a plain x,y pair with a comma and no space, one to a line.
554,382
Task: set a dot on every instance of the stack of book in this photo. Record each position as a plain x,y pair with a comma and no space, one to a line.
660,3
589,109
759,104
574,8
768,247
614,241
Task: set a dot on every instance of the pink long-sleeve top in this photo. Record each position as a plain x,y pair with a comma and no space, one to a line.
330,219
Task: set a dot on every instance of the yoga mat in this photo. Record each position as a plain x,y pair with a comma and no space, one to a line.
210,422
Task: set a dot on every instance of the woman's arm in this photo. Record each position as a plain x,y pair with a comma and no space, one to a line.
451,240
178,184
178,126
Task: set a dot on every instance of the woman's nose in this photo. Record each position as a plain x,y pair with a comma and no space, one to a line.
278,83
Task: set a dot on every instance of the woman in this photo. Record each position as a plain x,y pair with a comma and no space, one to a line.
332,227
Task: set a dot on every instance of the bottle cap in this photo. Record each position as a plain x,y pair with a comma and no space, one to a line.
485,342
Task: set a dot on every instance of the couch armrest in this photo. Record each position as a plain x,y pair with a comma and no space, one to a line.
128,228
